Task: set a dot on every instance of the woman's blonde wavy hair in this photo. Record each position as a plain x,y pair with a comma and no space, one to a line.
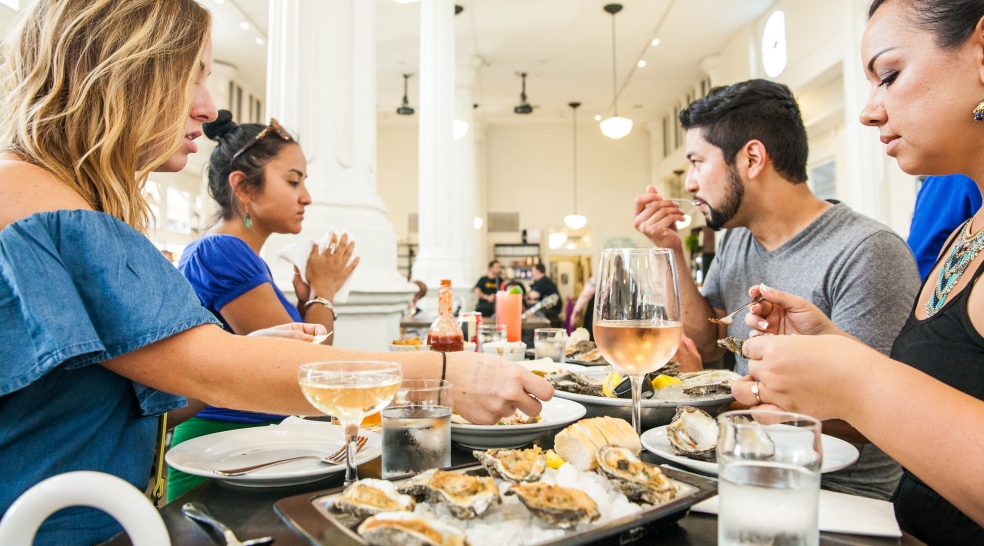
98,92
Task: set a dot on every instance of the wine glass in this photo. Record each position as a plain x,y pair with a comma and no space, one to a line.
638,320
350,390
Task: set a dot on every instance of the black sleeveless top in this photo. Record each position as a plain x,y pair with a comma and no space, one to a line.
947,347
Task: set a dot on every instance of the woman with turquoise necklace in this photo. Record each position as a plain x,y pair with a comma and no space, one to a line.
924,406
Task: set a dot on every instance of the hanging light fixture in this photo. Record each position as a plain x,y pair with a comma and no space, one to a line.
615,126
575,221
405,109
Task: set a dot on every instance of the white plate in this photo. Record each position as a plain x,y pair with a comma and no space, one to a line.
557,413
837,454
551,367
245,447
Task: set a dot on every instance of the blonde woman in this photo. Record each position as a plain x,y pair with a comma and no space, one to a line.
99,333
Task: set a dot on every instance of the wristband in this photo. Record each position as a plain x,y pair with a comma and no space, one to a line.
324,302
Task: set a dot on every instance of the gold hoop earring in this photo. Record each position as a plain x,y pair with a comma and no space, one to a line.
248,221
979,111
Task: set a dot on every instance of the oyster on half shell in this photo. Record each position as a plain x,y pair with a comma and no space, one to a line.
693,433
732,343
463,495
408,529
639,481
514,465
369,497
708,382
562,507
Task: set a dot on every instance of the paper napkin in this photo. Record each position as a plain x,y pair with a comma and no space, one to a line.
298,253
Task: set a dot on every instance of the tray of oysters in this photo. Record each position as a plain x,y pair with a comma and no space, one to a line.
594,486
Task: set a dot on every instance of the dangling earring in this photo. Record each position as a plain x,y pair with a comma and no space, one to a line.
248,221
979,111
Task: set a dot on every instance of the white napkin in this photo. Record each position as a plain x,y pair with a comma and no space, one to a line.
298,253
841,513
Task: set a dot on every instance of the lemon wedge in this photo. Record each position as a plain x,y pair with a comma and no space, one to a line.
661,381
553,460
611,381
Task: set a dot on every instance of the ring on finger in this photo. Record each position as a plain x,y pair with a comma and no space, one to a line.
755,391
332,247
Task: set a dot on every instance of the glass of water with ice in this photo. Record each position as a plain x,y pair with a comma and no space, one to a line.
417,428
769,478
550,343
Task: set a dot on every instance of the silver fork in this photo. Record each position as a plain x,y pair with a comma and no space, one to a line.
198,512
728,319
337,457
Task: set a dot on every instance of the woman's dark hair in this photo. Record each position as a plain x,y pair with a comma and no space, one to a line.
231,138
760,110
951,21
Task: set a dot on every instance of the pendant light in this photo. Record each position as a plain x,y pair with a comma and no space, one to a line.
405,109
575,221
615,127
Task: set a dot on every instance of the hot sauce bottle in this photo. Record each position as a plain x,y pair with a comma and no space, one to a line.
445,334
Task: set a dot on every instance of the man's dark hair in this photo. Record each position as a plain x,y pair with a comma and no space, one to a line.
492,263
951,21
540,268
729,117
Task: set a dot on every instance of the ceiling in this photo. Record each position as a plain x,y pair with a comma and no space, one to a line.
564,45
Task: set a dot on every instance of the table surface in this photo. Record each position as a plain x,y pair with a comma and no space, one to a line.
528,323
249,512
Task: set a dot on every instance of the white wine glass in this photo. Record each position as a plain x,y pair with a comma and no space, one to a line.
350,390
638,320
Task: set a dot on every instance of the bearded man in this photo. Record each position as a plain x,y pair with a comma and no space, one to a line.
747,149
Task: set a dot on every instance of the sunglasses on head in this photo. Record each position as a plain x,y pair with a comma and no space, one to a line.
274,127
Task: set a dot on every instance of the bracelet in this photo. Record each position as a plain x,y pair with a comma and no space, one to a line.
324,302
444,364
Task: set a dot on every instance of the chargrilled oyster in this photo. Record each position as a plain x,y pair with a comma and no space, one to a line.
639,481
693,433
562,507
463,495
708,382
514,465
408,529
369,497
732,343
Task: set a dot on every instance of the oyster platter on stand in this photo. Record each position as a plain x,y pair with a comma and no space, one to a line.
594,486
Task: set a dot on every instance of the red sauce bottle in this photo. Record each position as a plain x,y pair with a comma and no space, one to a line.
445,334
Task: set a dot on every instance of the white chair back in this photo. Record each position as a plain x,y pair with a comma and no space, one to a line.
115,496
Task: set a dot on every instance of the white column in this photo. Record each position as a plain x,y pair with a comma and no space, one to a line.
868,190
464,177
442,226
321,85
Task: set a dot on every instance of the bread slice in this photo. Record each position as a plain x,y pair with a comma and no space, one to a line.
579,443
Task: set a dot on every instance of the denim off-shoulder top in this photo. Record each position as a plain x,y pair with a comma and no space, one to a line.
78,288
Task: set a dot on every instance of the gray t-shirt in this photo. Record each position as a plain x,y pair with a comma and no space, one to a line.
857,271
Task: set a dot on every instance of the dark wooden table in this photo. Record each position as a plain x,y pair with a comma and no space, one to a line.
249,512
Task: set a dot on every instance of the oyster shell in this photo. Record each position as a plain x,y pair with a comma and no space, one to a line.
562,507
408,529
463,495
732,344
639,481
369,497
693,433
708,382
749,441
514,465
587,384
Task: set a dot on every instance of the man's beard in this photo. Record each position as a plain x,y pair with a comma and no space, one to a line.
734,193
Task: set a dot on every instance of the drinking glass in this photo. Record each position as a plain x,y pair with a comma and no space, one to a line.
638,319
549,343
509,313
417,427
488,333
349,390
769,478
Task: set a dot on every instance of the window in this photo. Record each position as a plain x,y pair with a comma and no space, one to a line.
823,179
178,211
12,4
774,45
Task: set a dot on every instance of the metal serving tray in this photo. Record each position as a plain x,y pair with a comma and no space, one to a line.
325,527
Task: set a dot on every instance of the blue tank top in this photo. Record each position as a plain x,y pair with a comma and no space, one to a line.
221,268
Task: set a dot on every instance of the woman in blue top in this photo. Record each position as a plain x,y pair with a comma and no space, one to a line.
99,333
256,175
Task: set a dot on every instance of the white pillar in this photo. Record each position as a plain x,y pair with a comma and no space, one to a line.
464,176
868,190
441,223
321,85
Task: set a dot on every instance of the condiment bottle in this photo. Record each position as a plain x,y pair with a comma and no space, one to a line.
445,334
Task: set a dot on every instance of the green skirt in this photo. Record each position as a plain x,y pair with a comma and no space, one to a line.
178,483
